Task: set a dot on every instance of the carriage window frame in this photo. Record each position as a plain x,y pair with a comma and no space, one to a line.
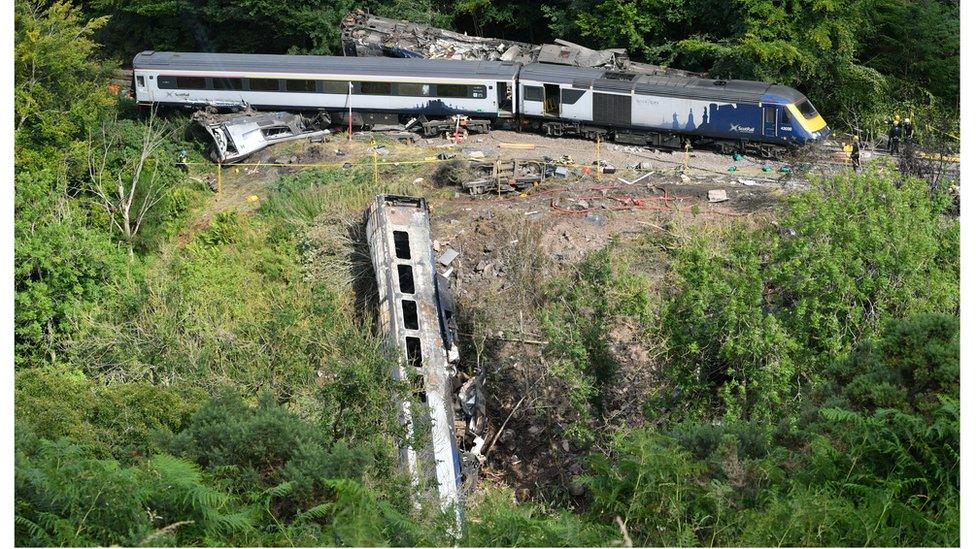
532,93
300,86
191,83
414,89
228,84
452,91
337,87
251,81
375,88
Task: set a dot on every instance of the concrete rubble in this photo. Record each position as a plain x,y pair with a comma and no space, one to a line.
718,195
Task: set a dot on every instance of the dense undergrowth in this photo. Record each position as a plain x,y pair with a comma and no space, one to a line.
217,384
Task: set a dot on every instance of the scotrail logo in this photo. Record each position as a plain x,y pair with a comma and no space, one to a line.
742,129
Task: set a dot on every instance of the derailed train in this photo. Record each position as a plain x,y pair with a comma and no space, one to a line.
660,111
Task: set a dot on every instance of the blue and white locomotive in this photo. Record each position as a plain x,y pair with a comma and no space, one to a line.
663,111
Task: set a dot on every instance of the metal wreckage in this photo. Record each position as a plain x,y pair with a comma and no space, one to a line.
444,415
236,135
364,34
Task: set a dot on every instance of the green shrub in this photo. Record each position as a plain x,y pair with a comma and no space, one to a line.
67,496
495,520
758,314
582,308
121,420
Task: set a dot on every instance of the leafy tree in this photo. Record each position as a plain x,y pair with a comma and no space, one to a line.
60,88
61,260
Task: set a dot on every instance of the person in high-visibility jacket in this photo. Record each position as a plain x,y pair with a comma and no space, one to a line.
894,136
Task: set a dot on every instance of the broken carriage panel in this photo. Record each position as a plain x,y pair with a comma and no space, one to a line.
415,315
368,35
235,136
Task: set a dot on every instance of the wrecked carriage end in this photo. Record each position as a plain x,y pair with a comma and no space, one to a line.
235,136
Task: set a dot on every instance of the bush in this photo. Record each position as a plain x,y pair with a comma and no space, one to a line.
757,314
582,309
119,420
66,496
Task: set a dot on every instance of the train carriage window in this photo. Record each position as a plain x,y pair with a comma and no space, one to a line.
335,86
571,96
452,90
375,88
301,86
412,89
166,82
408,310
191,82
478,92
263,84
141,81
228,84
533,93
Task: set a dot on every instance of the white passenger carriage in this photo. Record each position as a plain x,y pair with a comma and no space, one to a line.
381,90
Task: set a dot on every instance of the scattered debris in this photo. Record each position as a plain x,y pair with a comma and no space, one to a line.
526,146
508,176
639,179
448,256
717,195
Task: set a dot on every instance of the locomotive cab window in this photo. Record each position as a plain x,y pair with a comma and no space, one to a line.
571,96
806,109
784,117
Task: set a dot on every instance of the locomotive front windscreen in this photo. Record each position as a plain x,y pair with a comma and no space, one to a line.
806,109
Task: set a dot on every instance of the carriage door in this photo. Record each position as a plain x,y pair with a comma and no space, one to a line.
504,97
769,121
550,105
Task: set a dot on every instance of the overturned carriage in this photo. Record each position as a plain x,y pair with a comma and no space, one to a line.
416,317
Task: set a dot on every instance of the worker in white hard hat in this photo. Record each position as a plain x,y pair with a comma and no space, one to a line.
907,130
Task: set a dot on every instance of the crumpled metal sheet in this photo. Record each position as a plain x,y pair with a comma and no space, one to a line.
237,135
366,35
